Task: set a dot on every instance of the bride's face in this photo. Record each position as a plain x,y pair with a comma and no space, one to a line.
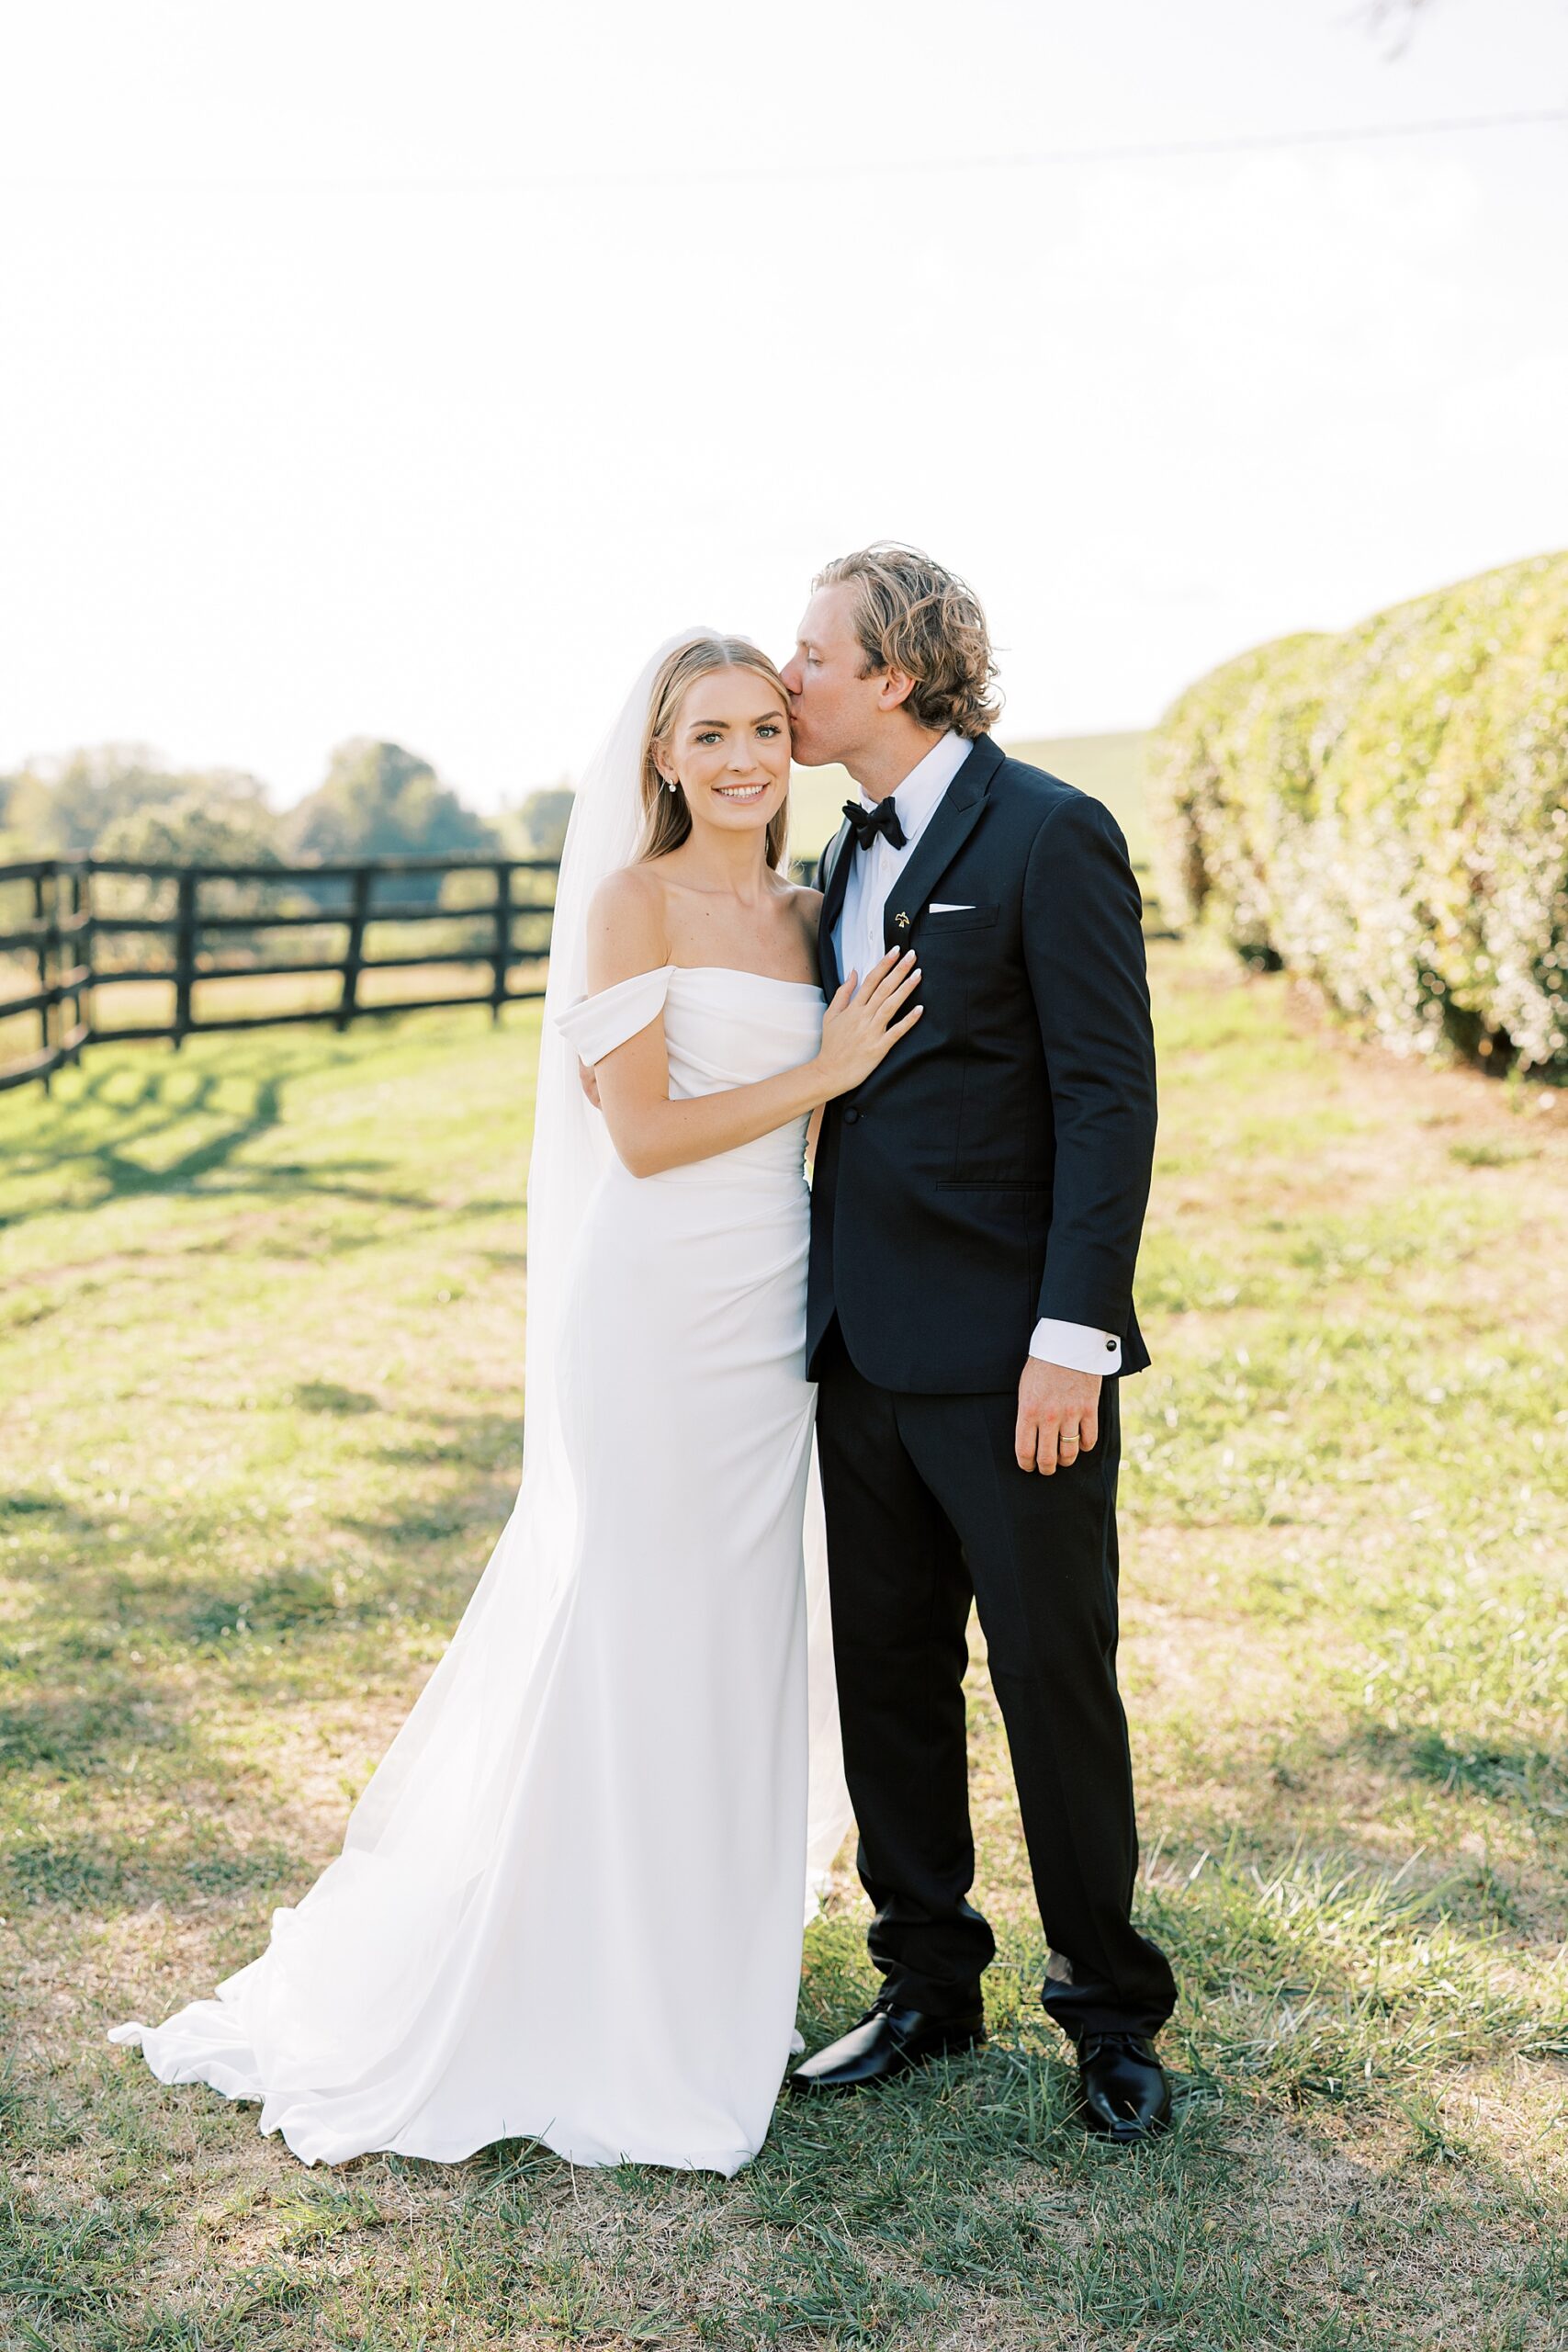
729,748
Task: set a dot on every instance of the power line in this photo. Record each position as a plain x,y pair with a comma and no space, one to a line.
1031,159
1264,140
862,167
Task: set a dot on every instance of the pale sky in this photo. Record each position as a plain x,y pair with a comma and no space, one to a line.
410,370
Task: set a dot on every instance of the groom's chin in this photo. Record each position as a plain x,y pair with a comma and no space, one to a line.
810,756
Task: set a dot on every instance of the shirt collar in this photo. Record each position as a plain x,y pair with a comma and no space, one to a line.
921,789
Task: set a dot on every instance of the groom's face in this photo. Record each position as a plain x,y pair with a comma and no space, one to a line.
833,703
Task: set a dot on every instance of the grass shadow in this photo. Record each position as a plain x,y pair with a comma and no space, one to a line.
92,1163
1512,1771
199,1866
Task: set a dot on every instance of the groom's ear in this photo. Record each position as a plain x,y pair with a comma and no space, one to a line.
897,687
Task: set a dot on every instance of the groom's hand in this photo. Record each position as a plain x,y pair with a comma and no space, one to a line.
1058,1415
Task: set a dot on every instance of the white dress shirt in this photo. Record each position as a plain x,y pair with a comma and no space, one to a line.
857,944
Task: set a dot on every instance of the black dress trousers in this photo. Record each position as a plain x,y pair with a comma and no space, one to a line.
927,1508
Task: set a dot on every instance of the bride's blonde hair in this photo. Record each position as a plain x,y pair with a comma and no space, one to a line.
666,820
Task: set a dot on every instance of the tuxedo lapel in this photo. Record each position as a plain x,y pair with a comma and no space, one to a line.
958,812
836,874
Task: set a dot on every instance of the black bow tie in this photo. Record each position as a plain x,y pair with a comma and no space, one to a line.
869,822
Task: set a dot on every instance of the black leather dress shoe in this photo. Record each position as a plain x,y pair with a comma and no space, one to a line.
887,2042
1125,2094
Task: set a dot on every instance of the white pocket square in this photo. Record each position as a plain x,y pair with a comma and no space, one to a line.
939,907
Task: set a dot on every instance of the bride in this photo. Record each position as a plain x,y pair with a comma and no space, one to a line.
569,1901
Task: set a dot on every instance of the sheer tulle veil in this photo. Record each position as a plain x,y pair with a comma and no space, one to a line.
345,2025
569,1148
429,1818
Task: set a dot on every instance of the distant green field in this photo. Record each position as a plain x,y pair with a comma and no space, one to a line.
1108,765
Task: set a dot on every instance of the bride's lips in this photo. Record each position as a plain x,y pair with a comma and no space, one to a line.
741,791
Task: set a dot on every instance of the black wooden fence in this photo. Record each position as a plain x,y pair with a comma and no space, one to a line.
82,943
82,939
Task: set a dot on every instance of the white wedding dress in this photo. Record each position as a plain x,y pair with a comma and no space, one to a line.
569,1902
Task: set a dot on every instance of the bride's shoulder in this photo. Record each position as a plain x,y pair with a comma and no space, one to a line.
627,930
807,905
630,890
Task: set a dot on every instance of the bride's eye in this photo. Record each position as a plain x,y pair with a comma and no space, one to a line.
710,735
770,728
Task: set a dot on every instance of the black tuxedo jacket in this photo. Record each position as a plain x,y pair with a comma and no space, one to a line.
995,1167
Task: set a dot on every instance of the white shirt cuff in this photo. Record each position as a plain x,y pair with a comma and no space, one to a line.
1076,1347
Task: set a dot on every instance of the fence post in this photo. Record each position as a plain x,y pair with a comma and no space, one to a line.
80,953
44,902
502,939
353,955
184,956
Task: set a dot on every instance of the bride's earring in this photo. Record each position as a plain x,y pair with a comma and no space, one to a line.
671,785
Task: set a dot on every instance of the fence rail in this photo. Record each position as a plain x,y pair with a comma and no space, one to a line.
74,923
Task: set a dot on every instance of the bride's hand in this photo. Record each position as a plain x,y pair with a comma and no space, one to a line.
862,1025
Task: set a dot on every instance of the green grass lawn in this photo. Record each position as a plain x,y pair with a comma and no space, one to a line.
262,1306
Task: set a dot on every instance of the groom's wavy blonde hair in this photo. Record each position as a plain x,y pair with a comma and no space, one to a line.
911,614
666,820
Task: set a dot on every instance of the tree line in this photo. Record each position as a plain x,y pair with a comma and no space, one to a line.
376,800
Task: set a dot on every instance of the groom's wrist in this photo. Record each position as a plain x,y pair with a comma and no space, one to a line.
1074,1347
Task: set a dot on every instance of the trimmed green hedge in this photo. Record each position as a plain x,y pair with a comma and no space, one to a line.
1388,811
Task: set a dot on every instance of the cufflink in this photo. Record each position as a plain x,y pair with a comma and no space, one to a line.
1110,1347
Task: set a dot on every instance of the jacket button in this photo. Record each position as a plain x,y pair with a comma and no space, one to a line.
849,1118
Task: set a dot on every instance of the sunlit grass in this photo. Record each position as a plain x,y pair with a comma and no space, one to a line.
261,1305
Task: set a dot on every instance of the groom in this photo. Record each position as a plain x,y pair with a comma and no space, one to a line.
977,1205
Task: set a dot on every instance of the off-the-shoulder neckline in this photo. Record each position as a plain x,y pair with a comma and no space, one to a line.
742,972
738,971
